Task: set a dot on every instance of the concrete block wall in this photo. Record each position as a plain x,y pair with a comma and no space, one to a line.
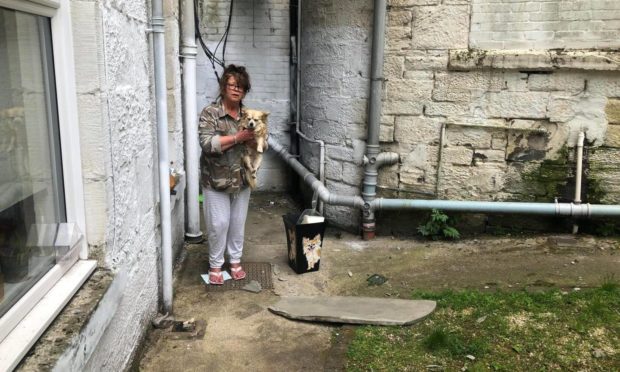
545,24
116,107
259,39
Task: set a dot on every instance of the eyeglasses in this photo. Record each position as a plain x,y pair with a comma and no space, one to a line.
236,87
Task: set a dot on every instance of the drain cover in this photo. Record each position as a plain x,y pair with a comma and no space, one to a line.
259,271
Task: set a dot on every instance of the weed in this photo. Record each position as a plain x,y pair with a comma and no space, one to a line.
438,226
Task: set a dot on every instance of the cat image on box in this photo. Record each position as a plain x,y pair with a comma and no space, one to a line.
312,250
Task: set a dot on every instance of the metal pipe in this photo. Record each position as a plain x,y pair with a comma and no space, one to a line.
298,106
552,209
578,173
374,118
317,186
161,109
190,123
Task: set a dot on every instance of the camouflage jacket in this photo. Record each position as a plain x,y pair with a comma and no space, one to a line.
220,170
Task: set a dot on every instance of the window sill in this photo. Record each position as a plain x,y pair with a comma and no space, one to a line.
533,60
25,334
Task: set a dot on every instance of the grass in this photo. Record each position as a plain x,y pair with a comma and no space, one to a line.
502,331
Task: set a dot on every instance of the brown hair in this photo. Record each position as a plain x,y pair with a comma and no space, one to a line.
239,73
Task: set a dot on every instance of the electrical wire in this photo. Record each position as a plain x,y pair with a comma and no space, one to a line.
211,56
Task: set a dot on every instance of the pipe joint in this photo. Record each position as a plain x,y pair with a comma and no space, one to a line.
189,51
387,158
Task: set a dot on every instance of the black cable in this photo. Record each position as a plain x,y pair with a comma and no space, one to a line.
210,55
225,34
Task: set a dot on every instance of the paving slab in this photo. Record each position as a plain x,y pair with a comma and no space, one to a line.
354,310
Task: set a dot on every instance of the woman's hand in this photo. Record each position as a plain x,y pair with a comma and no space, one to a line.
244,135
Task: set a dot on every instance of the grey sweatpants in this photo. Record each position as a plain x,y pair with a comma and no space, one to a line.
225,216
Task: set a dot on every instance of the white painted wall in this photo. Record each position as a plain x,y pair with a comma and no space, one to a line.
116,106
258,39
335,65
538,24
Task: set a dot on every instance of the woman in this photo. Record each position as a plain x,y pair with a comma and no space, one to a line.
226,196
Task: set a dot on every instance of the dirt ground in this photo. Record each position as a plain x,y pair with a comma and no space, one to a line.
241,334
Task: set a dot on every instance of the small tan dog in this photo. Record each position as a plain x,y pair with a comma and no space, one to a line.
255,120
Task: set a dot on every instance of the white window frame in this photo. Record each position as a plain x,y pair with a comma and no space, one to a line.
24,323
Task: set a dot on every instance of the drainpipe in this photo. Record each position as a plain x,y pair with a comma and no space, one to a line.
549,209
159,58
578,172
190,125
298,106
317,186
374,160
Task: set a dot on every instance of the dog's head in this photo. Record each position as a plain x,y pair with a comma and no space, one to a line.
253,119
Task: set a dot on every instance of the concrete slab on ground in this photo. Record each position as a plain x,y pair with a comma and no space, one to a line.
354,310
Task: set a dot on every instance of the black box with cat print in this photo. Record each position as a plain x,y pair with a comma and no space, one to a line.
305,241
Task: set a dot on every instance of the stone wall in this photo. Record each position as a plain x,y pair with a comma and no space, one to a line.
118,132
523,24
259,38
507,116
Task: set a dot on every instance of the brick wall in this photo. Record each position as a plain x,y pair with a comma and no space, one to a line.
545,24
258,39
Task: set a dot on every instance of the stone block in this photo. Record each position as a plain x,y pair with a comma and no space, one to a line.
559,81
386,133
416,129
612,110
86,45
457,86
408,3
352,174
612,137
400,107
409,90
530,146
398,39
426,60
517,104
478,138
604,83
472,183
399,18
457,155
388,177
418,75
440,27
450,110
515,81
499,141
333,170
489,156
561,108
393,67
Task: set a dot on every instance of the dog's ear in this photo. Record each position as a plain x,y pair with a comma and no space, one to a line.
265,114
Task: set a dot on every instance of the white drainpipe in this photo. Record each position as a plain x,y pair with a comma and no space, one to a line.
578,173
190,122
159,58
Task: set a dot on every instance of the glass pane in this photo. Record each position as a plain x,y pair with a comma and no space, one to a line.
31,194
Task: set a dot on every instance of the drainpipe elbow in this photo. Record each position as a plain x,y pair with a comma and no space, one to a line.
387,158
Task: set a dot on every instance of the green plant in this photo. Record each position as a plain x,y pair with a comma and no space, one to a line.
438,226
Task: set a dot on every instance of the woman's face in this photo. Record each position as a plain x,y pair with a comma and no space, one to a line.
233,93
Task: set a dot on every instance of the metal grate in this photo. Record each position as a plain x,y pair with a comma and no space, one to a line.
259,271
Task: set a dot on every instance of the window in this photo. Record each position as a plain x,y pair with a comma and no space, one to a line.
41,197
31,188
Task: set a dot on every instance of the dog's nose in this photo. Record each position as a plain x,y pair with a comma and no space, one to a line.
251,124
